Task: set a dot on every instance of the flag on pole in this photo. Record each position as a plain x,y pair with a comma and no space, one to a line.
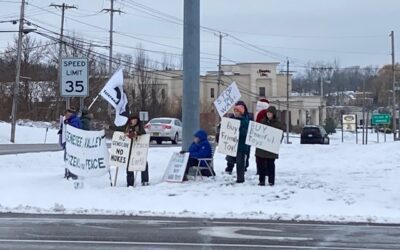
113,92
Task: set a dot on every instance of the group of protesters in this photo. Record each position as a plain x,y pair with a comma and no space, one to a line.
201,147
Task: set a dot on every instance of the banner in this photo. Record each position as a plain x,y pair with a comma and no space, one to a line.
176,167
227,99
140,149
86,152
114,94
119,152
229,136
264,137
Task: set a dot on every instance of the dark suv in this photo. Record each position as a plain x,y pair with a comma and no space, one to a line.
312,134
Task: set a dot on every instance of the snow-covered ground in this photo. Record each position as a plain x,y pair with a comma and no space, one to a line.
336,182
29,132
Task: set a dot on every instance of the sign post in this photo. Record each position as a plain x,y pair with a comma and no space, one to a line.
381,119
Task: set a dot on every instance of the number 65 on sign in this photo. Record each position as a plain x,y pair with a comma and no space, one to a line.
74,77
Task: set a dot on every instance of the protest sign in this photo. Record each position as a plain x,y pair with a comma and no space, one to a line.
120,148
264,137
176,167
227,99
140,148
229,136
86,152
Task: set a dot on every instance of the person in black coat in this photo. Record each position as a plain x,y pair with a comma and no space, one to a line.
133,129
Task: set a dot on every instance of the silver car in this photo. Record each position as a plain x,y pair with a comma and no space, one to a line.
164,129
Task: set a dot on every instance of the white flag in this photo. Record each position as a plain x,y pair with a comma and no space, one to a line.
113,92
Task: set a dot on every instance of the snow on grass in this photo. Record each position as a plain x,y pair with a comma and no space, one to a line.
336,182
29,132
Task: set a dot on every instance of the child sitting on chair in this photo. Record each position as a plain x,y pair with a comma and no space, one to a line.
200,148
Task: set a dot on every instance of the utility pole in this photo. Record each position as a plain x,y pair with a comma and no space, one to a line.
111,10
219,70
17,75
321,91
287,102
363,115
63,7
191,70
394,115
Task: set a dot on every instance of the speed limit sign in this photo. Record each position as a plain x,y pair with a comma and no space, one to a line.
74,77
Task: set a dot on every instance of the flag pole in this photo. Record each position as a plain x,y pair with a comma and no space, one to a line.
94,100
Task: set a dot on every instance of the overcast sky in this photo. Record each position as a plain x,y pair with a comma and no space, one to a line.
353,32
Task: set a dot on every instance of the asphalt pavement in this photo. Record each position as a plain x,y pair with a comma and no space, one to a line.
32,148
24,231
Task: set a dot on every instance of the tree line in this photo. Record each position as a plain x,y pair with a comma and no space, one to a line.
39,91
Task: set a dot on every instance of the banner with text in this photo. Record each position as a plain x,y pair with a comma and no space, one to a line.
176,167
140,149
86,152
119,152
264,137
229,136
227,99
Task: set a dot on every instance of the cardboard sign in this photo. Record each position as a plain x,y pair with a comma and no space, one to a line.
120,148
176,167
140,149
264,137
227,99
229,136
86,152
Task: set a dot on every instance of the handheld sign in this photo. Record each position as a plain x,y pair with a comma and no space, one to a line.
176,167
119,152
227,99
140,149
86,152
229,136
264,137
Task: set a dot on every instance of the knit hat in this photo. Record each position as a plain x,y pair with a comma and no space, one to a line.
240,107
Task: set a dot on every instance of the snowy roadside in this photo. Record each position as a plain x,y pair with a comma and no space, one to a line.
337,182
29,132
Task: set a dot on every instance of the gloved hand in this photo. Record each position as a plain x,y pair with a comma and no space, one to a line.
182,152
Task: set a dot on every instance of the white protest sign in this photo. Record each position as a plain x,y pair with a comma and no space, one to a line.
176,167
227,99
119,152
86,152
264,137
140,149
229,136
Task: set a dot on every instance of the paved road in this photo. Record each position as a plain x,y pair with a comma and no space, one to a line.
21,231
31,148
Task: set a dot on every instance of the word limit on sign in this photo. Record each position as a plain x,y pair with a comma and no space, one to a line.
74,77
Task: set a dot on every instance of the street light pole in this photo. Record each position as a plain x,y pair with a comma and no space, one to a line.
16,84
394,115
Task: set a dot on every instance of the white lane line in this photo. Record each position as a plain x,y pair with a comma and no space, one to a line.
128,220
183,244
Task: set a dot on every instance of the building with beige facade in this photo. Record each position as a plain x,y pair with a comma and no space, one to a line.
255,81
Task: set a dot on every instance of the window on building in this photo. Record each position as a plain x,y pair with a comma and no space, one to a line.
261,91
163,93
212,93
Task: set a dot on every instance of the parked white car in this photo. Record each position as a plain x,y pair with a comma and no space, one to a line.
164,129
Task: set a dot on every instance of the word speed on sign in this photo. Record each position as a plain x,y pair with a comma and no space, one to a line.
74,77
